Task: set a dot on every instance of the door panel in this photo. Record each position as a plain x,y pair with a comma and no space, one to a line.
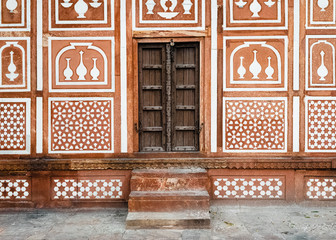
169,97
185,75
151,97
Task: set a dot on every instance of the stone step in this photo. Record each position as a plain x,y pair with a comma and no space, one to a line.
162,201
169,180
198,219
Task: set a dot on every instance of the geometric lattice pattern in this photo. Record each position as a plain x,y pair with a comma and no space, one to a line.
81,125
321,188
249,187
12,126
321,124
98,188
255,124
15,189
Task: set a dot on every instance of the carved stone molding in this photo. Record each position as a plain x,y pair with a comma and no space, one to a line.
155,163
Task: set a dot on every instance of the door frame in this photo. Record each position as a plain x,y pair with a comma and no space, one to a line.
203,89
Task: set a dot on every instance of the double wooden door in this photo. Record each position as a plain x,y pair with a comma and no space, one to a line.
169,97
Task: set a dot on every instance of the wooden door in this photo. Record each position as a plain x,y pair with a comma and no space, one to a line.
169,97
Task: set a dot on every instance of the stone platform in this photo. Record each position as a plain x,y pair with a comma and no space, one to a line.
227,222
169,198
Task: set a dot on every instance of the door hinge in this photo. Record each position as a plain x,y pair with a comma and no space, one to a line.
199,127
138,127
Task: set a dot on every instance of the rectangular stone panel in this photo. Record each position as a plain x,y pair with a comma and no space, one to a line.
87,188
81,64
248,187
321,14
320,124
14,64
70,15
257,63
15,188
80,125
254,124
14,126
320,62
15,15
255,14
320,188
157,14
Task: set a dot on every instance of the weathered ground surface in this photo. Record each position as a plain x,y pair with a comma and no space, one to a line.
228,222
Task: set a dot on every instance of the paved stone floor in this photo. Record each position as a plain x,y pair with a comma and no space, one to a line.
228,222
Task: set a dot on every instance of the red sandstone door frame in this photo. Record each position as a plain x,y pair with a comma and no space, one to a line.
202,85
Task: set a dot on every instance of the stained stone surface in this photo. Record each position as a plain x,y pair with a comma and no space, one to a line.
227,222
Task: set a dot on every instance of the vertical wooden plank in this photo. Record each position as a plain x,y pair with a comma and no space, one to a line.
169,97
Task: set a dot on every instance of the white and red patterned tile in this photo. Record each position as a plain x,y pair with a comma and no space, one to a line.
321,14
84,64
249,187
320,124
14,126
15,188
320,188
171,14
320,62
15,15
255,14
258,63
255,124
80,125
14,64
70,15
87,188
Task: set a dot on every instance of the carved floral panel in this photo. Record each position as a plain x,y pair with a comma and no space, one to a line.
255,63
320,188
255,124
321,13
87,188
320,62
14,126
320,124
15,188
15,15
14,64
168,14
80,125
82,64
255,14
81,15
249,187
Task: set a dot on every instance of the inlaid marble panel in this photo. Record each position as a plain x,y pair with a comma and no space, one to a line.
15,188
320,62
86,15
87,188
82,64
320,188
249,187
255,14
80,125
321,14
168,14
256,63
14,126
255,124
14,64
15,15
320,124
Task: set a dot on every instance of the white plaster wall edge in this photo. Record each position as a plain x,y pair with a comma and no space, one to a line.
214,59
123,76
39,125
296,124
